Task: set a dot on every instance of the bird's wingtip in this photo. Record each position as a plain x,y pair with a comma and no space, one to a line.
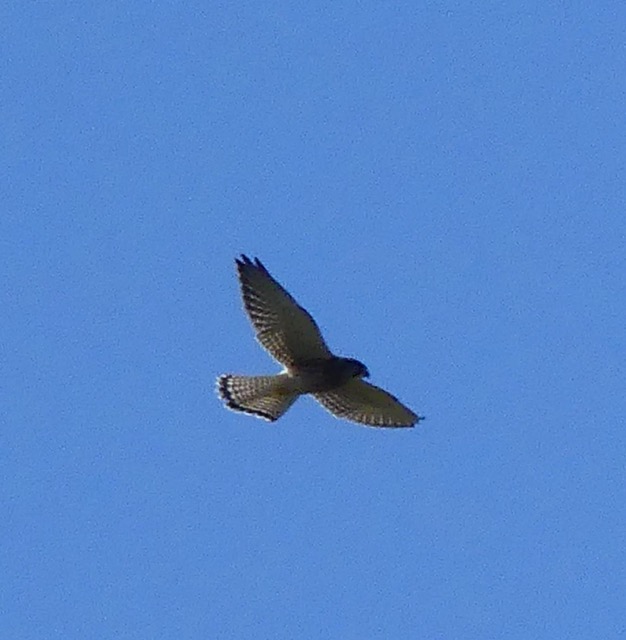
244,261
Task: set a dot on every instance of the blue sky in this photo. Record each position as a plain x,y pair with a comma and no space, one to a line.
442,186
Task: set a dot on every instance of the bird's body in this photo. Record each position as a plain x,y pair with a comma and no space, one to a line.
325,374
292,337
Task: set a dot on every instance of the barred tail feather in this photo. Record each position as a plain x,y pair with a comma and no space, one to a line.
267,397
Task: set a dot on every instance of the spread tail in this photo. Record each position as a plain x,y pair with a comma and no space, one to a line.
267,397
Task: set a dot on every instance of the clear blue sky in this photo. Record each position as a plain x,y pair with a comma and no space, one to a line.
443,186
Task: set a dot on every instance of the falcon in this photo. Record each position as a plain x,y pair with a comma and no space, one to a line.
291,336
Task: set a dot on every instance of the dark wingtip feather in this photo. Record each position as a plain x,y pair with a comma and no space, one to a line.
244,261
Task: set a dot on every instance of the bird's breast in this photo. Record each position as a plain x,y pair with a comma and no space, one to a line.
316,376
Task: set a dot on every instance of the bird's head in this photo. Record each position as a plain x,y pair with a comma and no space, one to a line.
357,368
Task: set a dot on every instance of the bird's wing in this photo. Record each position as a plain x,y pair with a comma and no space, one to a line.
367,404
282,326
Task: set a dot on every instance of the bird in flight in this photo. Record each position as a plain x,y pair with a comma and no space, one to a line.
291,336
